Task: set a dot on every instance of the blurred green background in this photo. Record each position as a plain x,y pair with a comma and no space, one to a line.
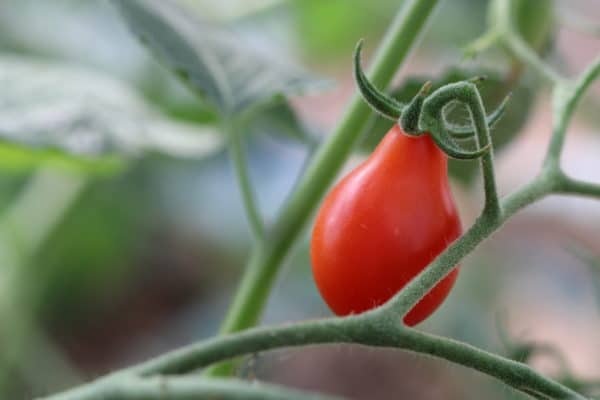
116,262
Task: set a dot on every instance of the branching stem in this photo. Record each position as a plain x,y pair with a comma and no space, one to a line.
507,34
566,96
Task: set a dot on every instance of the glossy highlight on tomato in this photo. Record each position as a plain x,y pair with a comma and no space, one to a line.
384,223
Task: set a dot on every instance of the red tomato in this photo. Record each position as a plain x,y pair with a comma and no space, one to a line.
383,224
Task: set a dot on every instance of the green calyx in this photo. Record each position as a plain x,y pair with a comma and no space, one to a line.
409,120
379,102
428,112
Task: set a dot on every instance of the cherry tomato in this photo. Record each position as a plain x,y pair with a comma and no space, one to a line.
384,223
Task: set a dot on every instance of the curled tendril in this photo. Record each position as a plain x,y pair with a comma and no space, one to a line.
459,131
432,117
447,144
381,103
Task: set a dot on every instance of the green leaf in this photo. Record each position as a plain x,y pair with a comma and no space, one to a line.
59,113
493,90
228,72
279,119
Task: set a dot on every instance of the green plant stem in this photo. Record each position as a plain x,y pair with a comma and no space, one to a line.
515,374
238,156
481,43
478,116
521,50
576,186
565,97
267,258
24,227
256,339
187,388
510,37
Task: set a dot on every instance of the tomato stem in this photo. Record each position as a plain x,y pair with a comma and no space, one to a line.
508,35
480,44
238,156
566,96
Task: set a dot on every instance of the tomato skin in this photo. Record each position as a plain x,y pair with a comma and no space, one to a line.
384,223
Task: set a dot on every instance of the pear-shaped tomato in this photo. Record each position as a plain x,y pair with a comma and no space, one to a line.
384,223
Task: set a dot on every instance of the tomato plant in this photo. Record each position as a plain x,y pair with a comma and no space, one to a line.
383,224
387,243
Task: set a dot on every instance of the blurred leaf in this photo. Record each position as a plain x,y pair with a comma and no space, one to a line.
51,112
533,20
279,120
219,65
82,268
228,9
443,34
493,90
